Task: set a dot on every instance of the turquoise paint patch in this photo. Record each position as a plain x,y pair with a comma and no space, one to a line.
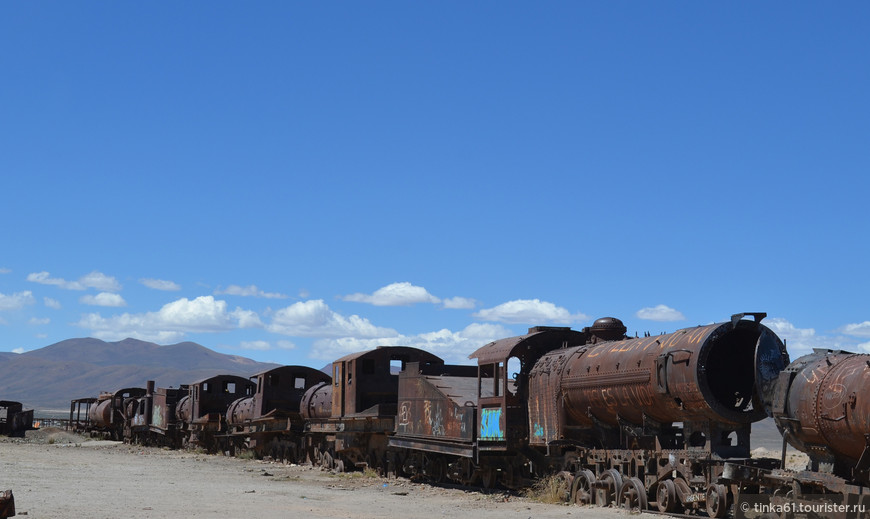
490,424
539,431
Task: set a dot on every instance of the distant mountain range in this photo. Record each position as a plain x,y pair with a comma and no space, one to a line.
48,378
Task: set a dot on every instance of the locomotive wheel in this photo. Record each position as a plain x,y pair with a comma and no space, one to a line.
488,478
326,461
717,500
437,470
612,481
581,488
666,496
632,496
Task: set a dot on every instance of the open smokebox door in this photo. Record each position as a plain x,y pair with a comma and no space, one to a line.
771,358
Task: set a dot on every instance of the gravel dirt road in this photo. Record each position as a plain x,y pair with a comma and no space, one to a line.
57,475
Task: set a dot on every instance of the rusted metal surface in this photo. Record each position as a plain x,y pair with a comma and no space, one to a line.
14,420
270,419
368,382
539,340
504,367
317,401
109,414
153,420
437,404
78,414
705,375
822,405
279,393
7,504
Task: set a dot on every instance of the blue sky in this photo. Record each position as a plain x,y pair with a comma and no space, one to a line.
294,181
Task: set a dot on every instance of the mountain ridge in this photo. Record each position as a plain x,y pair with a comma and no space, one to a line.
51,376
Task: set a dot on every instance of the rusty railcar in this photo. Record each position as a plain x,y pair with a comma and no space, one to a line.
656,416
821,405
79,411
201,412
14,419
269,421
154,420
435,425
638,422
7,504
107,415
364,401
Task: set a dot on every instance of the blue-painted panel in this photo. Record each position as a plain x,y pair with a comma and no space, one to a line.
490,424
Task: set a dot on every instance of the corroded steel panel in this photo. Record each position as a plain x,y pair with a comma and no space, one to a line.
703,373
825,405
7,504
440,407
317,402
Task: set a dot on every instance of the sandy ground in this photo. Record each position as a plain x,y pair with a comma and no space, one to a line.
54,474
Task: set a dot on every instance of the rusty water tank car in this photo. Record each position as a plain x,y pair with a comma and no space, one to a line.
364,397
202,411
269,422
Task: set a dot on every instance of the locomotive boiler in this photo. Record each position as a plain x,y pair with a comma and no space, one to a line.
822,407
709,378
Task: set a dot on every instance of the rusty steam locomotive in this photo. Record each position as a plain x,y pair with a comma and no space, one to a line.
657,422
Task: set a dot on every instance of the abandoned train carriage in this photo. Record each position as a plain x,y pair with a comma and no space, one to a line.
364,397
201,412
620,418
269,422
154,420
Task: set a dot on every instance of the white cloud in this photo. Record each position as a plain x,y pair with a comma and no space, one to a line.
660,313
857,330
256,345
266,345
103,299
95,279
530,312
395,294
160,284
800,341
4,270
172,321
453,347
314,318
461,303
52,303
16,300
18,350
248,291
36,321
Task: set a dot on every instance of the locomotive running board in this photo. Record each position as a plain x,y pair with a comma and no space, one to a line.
433,446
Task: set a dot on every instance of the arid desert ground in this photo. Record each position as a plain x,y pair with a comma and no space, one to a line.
55,474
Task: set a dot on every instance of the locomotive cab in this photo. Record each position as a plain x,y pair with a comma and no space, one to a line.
502,383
